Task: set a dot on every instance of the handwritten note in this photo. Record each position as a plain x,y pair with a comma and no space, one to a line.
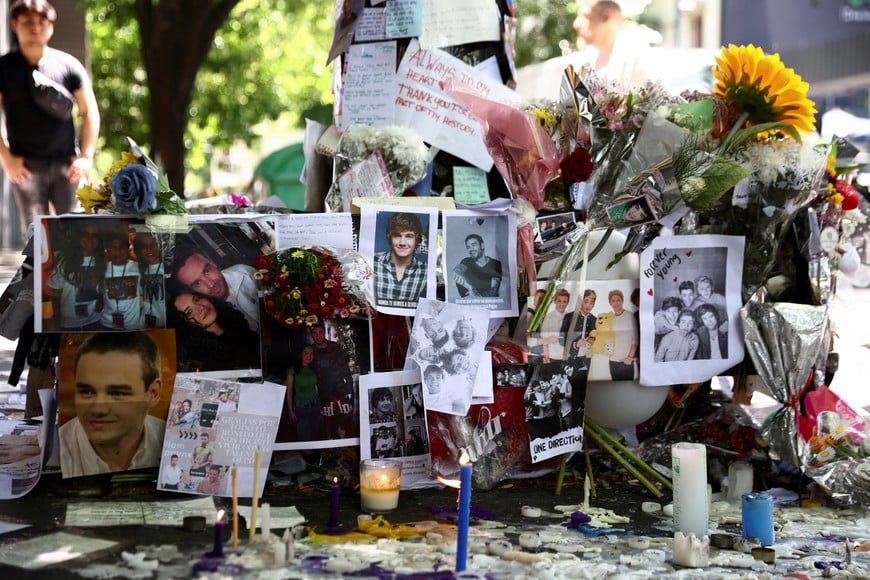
372,25
404,18
440,120
323,229
469,185
369,87
454,22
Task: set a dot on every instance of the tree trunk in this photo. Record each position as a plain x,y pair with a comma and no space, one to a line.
176,37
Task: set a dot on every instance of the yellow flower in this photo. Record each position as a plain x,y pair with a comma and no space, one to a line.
91,198
762,87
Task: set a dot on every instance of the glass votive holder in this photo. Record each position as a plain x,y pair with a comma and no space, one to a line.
379,481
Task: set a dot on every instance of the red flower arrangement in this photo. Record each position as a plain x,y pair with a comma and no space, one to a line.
302,286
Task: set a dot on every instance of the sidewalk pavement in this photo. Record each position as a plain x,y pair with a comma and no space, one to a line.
849,315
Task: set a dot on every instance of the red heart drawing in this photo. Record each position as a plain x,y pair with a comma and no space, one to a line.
650,292
688,252
675,279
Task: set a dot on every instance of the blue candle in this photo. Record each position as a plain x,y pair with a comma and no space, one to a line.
757,511
464,512
334,492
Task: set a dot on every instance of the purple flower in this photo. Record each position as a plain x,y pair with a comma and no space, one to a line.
134,188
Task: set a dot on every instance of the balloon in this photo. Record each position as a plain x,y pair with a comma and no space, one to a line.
622,404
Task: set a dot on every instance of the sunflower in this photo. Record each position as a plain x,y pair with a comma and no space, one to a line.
761,87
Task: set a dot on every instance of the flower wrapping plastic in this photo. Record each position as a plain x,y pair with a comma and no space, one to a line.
523,152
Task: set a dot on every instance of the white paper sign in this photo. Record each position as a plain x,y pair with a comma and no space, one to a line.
404,18
322,229
454,22
690,299
369,90
438,118
372,25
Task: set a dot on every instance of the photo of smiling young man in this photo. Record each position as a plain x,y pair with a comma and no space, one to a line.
400,256
118,386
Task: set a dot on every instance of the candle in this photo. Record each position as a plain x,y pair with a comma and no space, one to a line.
334,493
689,461
288,539
218,549
280,552
757,512
739,480
690,551
266,522
235,479
255,498
379,483
464,511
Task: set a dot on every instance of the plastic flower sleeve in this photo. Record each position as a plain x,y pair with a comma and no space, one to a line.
839,440
783,340
376,159
521,149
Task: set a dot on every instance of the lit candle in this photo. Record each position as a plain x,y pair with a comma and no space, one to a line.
464,511
689,461
757,512
255,497
266,522
334,492
218,549
235,479
379,483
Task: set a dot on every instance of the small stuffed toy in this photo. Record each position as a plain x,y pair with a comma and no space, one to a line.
603,334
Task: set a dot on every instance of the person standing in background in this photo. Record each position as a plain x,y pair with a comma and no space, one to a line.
606,46
40,155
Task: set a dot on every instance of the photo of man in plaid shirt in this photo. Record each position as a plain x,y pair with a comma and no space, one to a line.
400,276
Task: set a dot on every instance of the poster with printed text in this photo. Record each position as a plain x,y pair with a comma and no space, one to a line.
214,425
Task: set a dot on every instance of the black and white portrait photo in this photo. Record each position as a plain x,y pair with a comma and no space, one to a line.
690,298
479,266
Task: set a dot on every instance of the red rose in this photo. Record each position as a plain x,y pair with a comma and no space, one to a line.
576,167
851,197
262,262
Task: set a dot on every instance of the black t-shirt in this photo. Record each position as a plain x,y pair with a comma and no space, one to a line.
33,133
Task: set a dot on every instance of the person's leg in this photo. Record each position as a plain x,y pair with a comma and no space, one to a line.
61,193
31,198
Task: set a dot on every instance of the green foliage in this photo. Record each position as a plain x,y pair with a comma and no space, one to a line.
267,64
542,25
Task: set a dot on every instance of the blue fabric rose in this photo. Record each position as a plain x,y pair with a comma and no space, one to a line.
134,188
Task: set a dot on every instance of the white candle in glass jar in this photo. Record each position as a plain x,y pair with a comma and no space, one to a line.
379,481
